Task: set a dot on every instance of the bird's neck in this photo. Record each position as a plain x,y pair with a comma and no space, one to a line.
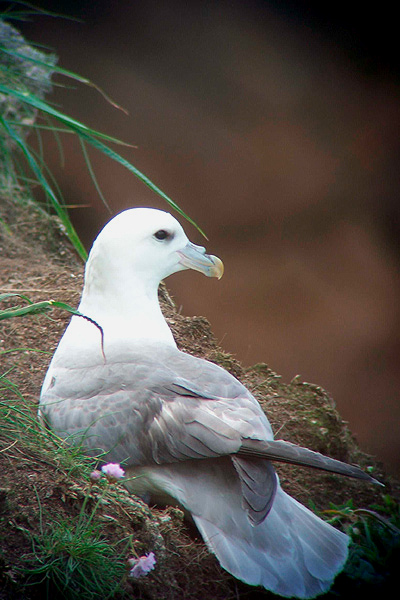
124,305
130,315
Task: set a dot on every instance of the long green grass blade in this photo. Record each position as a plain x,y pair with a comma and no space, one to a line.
94,138
122,161
11,12
34,101
60,210
66,73
35,308
93,175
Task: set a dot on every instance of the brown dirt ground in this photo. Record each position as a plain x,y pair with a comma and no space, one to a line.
37,260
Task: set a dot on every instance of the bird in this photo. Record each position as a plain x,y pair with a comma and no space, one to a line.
186,431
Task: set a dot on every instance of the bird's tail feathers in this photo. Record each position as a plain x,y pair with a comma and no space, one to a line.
292,552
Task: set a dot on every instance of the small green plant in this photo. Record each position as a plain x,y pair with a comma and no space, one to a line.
72,559
375,541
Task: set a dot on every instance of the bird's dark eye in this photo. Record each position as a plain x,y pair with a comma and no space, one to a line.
161,234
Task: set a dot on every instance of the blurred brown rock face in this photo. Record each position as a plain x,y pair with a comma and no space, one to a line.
285,154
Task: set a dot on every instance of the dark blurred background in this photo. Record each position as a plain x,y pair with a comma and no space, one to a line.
275,126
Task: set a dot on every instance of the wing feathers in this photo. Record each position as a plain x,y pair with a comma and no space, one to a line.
258,482
282,451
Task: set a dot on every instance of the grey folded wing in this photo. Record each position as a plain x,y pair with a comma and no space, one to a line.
147,412
144,411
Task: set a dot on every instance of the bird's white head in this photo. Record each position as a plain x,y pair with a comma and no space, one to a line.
131,255
148,244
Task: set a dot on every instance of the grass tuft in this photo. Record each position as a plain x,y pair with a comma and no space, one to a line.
71,559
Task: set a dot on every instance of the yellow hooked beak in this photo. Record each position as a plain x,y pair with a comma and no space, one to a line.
195,257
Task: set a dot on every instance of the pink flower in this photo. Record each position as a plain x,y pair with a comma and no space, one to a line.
142,565
113,472
95,476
